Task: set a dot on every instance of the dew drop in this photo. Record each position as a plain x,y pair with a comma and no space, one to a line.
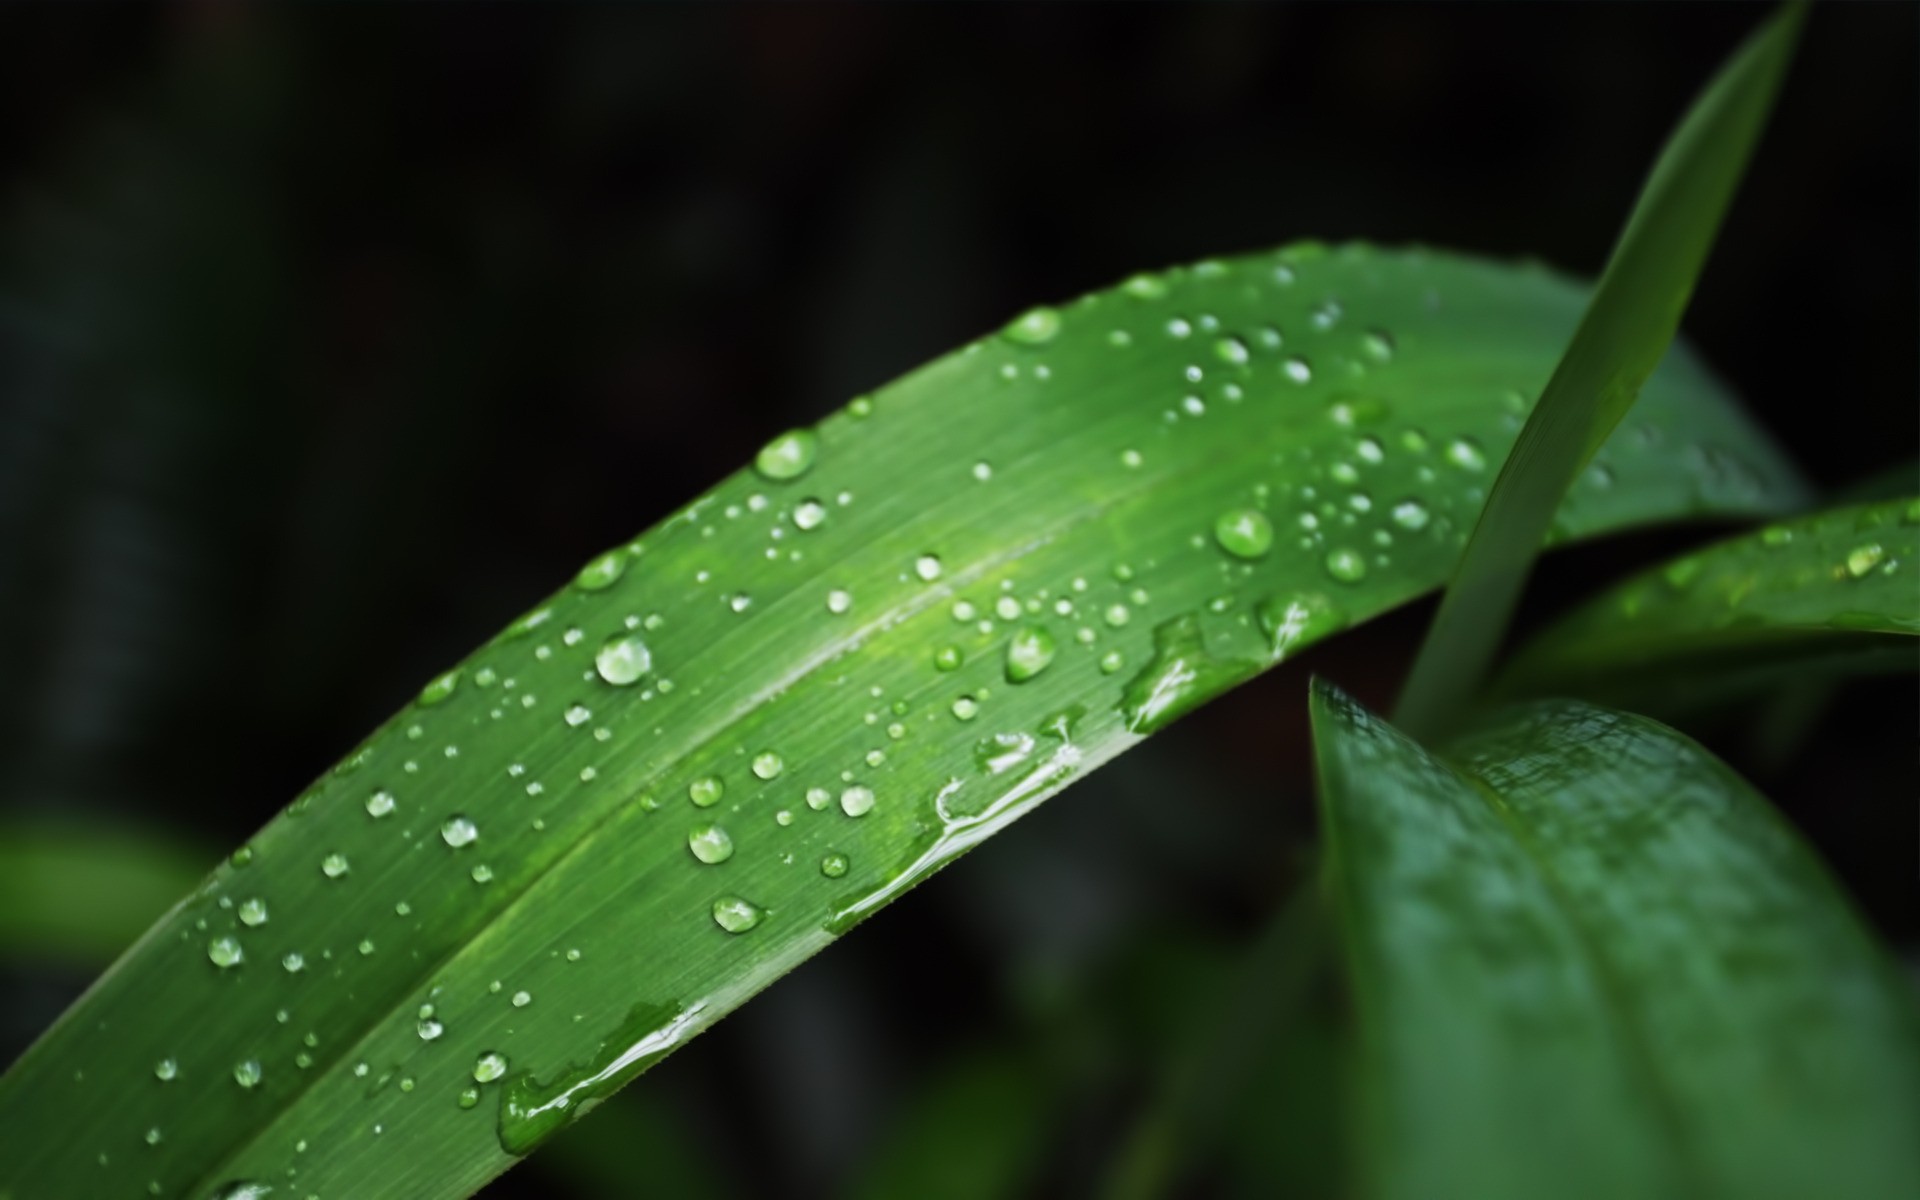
833,866
736,915
1145,287
1297,369
489,1067
809,514
966,708
1466,454
166,1070
983,470
857,801
927,567
818,798
1378,345
1411,514
601,573
334,865
440,688
788,456
380,803
578,715
948,658
1291,622
1034,327
458,831
253,912
705,792
247,1074
1244,533
622,660
1347,566
429,1028
469,1097
710,844
1231,350
522,999
1864,558
839,600
768,765
1029,651
294,962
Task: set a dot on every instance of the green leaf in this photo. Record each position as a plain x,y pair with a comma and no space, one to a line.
730,740
1625,331
1589,961
979,1127
1834,592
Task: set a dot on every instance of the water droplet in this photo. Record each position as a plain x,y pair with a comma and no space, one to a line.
481,873
241,857
1131,460
293,961
1033,327
1378,345
788,456
1244,532
1864,558
166,1070
768,765
833,866
441,687
522,999
818,798
1179,327
1181,676
839,600
706,792
1348,566
469,1097
1145,287
578,715
458,831
1291,622
601,573
948,658
857,801
1466,454
983,470
966,708
622,660
710,843
1231,350
1411,514
1028,652
809,514
333,866
429,1028
380,803
247,1074
1775,536
1297,369
253,912
736,915
927,567
489,1067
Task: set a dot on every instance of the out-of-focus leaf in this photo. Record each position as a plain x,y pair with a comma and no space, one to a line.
597,1156
730,740
77,895
1589,961
1831,593
979,1127
1627,327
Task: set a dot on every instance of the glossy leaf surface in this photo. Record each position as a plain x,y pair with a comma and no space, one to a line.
725,743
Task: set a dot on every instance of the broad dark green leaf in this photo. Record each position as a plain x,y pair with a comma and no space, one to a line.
1622,336
1834,592
1589,961
728,741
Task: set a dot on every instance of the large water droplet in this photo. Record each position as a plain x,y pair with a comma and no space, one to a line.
489,1067
788,456
458,831
1291,622
1864,558
1181,676
1244,532
225,952
1028,652
710,843
623,659
736,915
1033,327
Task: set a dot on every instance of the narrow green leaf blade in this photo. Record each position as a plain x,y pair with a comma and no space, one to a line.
1834,592
906,628
1626,329
1589,960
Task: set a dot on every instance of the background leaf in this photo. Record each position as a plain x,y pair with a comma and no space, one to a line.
1589,960
902,632
1625,330
1834,592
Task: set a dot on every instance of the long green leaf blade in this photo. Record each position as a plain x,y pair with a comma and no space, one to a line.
1590,961
1837,591
1626,329
727,742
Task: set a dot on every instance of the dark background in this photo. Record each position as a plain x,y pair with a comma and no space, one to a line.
330,340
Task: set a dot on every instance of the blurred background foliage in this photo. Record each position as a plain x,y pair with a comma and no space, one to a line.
331,339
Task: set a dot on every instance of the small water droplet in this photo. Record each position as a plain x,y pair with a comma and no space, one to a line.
380,803
440,688
833,866
1034,327
489,1067
948,658
705,792
247,1074
1231,350
458,831
966,708
788,456
600,573
481,873
429,1028
857,801
710,843
1411,514
809,514
1294,621
253,912
1181,676
333,866
1244,533
166,1070
927,567
1864,558
1347,566
1131,460
1297,369
1028,652
293,961
469,1097
839,600
522,998
622,660
818,798
983,470
1145,287
736,915
1378,345
1466,454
